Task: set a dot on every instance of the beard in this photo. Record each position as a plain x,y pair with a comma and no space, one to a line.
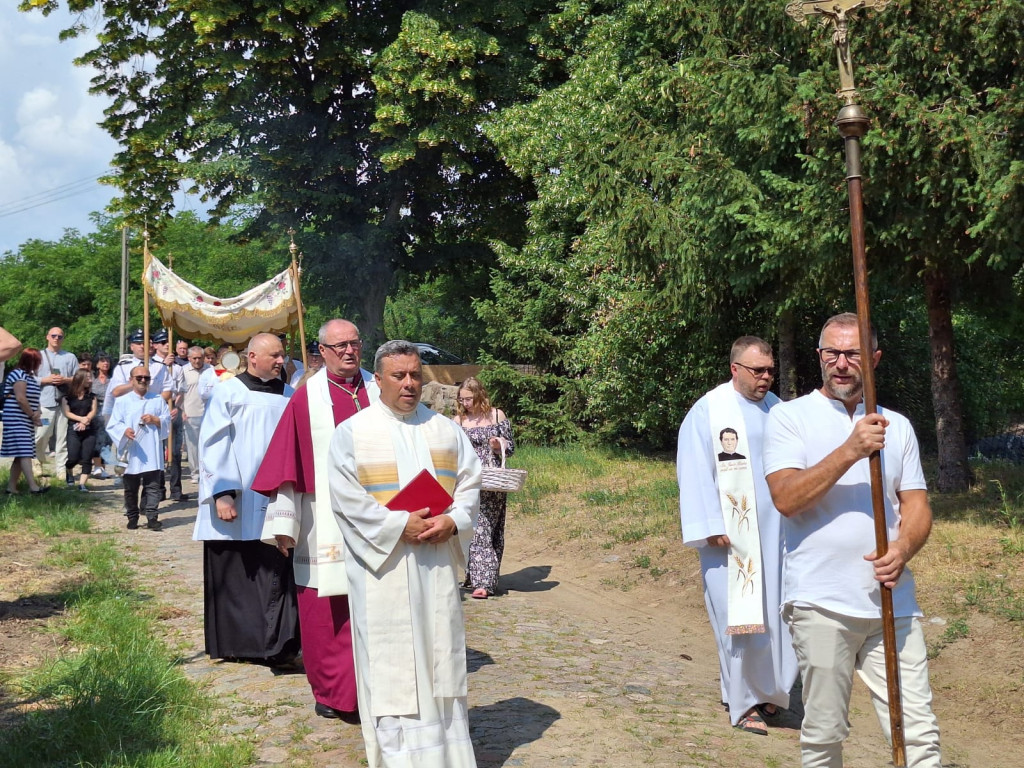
847,391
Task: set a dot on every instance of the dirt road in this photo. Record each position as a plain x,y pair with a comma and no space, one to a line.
565,670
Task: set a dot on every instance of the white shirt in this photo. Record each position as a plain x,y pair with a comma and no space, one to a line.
825,545
233,438
145,451
159,383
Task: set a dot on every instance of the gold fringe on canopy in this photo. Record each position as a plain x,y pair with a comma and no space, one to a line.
271,307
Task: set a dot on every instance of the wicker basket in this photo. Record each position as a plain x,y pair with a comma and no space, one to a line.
502,479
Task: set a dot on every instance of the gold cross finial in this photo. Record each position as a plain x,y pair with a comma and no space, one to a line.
836,13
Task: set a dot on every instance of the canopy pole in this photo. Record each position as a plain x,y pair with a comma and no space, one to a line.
296,272
124,290
145,300
170,372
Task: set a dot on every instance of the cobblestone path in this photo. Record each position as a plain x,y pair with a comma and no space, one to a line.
562,673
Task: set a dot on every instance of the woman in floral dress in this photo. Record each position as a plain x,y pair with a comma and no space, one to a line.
490,433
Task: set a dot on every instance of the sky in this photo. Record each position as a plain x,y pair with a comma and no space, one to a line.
52,150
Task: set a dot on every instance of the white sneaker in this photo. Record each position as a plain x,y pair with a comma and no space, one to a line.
102,474
96,471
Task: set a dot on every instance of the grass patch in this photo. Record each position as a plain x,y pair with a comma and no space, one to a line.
956,630
41,514
616,500
972,561
119,698
994,595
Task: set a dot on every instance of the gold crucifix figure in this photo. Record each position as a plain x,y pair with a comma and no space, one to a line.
836,13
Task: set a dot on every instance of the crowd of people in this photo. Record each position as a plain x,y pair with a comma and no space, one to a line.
299,544
322,536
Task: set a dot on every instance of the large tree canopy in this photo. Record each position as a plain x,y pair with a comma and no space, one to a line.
693,142
356,123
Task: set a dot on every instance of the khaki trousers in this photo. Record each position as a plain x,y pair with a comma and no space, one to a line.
58,427
829,647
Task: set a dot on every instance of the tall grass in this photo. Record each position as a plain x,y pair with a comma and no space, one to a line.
611,497
119,699
627,504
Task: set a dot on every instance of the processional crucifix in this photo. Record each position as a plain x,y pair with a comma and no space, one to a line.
852,124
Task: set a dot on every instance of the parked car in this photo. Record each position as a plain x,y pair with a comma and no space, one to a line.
431,355
444,367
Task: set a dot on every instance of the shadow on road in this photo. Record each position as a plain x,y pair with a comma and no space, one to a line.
188,518
529,579
476,660
498,729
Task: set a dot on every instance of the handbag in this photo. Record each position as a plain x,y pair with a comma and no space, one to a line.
502,479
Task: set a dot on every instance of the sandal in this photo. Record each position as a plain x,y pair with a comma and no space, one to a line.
752,723
480,594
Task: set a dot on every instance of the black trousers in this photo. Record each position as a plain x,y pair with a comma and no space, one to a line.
81,446
174,468
149,482
251,611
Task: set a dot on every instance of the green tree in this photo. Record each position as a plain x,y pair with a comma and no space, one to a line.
696,140
75,282
355,123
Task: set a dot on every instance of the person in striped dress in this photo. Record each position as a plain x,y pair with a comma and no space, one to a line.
21,417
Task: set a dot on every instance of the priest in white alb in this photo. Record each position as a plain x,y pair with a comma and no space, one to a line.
249,589
402,565
727,515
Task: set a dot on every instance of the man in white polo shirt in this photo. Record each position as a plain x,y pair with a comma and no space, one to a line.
815,461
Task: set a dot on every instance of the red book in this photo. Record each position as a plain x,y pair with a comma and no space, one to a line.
420,492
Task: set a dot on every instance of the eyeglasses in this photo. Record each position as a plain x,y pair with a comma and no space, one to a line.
143,378
466,400
829,355
341,346
56,335
759,371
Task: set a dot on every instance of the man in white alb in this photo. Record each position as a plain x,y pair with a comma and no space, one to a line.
728,516
138,426
408,633
249,587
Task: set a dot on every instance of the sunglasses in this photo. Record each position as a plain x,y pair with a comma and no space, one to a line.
143,378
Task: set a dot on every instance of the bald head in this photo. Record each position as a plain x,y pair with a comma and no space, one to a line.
341,347
54,338
265,356
140,378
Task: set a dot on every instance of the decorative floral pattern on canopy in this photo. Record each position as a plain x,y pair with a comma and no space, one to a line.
270,307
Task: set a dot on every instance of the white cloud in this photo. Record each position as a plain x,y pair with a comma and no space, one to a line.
50,143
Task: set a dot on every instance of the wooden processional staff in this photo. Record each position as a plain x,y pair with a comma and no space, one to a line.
852,124
296,272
